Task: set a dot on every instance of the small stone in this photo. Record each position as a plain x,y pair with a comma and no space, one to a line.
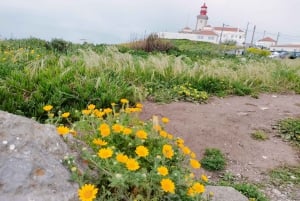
264,157
4,142
12,147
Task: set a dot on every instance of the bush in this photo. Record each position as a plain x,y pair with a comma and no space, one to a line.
213,160
126,158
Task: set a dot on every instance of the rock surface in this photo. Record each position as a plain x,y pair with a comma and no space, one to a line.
30,162
223,193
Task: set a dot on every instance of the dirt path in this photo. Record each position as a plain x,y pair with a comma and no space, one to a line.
227,123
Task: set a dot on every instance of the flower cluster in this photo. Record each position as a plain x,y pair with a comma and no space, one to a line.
133,158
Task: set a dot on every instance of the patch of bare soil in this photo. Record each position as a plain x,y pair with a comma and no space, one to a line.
227,124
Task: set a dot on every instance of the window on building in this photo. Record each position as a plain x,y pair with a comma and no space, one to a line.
200,37
211,37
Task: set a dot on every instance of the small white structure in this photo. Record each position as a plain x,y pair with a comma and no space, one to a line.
206,33
266,42
286,48
227,34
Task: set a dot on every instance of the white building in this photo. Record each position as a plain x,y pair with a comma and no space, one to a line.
206,33
286,48
266,42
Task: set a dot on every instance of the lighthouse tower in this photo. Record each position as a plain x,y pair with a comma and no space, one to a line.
202,18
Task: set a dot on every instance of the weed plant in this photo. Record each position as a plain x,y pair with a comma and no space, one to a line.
126,158
289,129
213,160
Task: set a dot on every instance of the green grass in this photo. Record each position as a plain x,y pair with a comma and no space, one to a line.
289,129
213,160
34,72
285,175
259,135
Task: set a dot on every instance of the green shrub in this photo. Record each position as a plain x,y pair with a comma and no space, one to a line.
213,160
289,129
250,191
126,158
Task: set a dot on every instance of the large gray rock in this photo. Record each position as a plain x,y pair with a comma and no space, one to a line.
224,193
30,162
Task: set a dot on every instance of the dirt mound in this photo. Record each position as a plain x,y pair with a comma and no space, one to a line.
227,124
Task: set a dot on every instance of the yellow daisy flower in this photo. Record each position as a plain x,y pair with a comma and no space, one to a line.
167,185
47,108
105,153
62,130
87,192
132,164
142,151
162,170
195,164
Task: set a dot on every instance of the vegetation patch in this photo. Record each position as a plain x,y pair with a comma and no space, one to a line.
125,158
213,160
259,135
285,175
289,130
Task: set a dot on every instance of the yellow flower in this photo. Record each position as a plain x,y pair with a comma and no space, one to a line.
168,151
162,170
190,192
139,105
170,136
47,108
62,130
104,130
105,153
163,133
100,142
186,150
107,110
198,188
99,113
142,151
117,128
141,134
122,158
86,112
204,178
124,101
87,192
193,155
167,185
132,164
113,104
65,115
91,106
157,127
195,164
180,141
127,131
165,120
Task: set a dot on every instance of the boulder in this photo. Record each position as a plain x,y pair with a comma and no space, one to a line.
31,157
224,193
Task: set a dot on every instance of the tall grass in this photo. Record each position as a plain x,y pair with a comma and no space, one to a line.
102,75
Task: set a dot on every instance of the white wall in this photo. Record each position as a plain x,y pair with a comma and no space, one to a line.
188,36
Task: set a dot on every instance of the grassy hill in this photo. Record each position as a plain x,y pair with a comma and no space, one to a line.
34,73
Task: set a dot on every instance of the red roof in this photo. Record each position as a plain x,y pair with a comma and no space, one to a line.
206,32
267,39
231,29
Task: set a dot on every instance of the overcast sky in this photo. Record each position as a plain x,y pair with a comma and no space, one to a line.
116,21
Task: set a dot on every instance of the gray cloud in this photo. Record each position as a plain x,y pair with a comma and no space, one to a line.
117,21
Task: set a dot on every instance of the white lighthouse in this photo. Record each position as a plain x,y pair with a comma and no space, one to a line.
202,18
